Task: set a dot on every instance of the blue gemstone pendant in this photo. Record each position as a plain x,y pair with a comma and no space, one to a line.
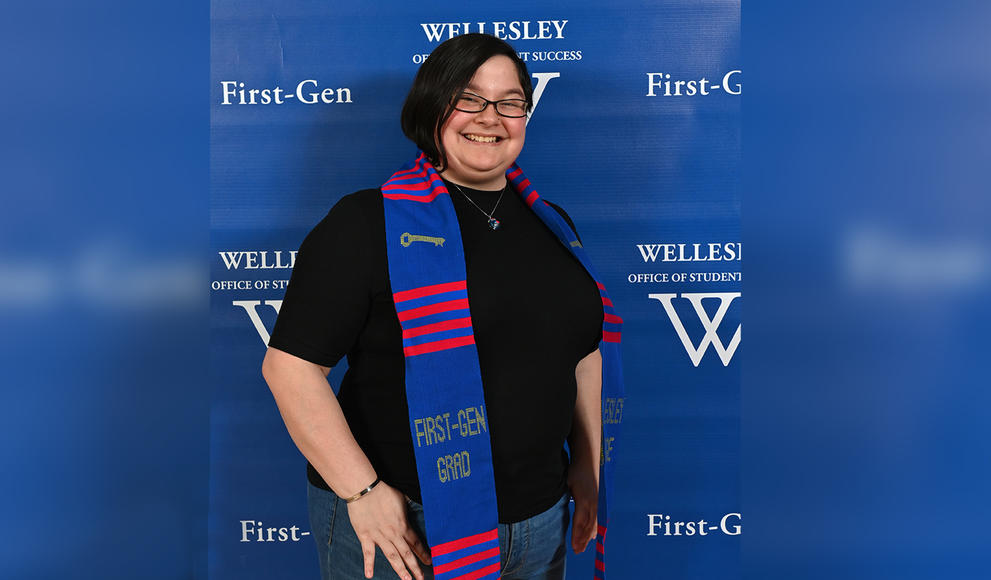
493,224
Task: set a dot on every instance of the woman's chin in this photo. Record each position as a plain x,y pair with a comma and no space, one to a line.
478,178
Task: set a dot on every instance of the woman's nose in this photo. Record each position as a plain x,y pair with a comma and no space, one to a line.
488,114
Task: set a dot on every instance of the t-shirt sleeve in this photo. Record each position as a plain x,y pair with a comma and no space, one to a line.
567,218
329,294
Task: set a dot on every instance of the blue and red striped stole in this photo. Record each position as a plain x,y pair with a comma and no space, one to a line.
434,317
443,381
613,394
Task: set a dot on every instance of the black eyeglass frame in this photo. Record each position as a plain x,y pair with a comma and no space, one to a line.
493,103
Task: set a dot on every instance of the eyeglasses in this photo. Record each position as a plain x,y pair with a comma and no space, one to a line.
472,103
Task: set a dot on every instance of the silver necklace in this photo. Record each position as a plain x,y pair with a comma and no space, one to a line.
494,224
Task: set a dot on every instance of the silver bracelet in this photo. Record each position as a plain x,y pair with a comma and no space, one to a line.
362,493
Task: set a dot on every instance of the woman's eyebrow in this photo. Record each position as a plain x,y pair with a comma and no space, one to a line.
513,91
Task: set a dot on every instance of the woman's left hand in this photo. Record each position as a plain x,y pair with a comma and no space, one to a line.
584,485
584,444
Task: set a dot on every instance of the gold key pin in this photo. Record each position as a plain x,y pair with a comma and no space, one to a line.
407,238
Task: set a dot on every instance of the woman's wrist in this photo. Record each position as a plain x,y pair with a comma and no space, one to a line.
363,492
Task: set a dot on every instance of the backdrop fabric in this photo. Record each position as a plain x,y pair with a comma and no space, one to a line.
304,109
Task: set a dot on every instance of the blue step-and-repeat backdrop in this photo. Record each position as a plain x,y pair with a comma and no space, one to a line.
635,132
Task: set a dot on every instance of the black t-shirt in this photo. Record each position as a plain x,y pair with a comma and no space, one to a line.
535,311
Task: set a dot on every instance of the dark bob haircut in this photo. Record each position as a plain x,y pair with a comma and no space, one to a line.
445,73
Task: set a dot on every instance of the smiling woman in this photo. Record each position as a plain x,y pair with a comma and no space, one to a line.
481,145
443,453
433,118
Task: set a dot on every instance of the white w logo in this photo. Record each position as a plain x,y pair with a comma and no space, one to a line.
249,307
542,79
711,325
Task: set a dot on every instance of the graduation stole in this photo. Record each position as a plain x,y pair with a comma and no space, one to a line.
443,382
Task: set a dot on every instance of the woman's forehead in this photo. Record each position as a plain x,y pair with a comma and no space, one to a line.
498,76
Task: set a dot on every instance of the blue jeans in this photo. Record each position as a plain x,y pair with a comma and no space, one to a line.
533,549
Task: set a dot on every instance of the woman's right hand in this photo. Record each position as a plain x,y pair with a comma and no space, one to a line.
317,425
379,519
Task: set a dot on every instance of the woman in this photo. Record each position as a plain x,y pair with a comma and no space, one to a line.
451,421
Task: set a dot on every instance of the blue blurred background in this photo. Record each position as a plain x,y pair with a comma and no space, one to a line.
866,212
104,149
